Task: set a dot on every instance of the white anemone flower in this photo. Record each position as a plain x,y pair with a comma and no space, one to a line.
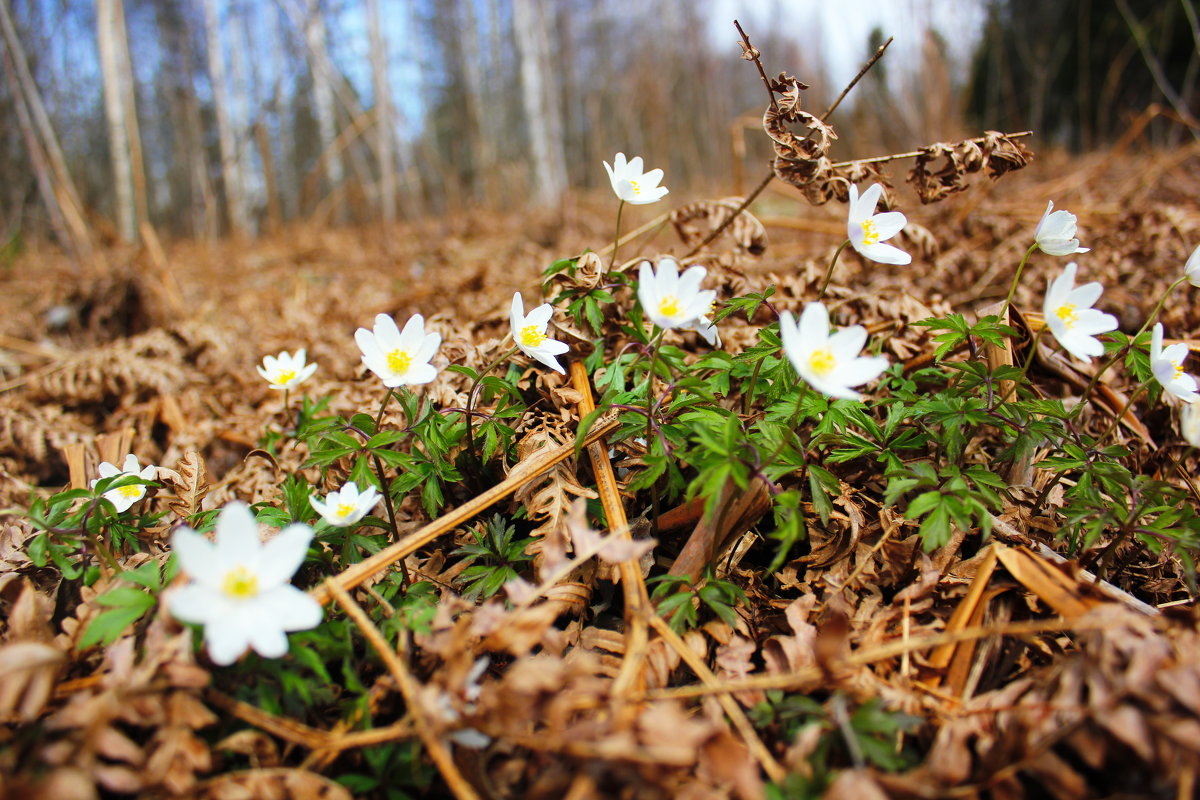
1055,233
867,230
1189,423
707,329
1192,268
347,505
829,363
286,370
239,589
399,358
1071,318
671,300
631,184
125,496
1167,366
529,333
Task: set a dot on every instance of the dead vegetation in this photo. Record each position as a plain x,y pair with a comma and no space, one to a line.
861,667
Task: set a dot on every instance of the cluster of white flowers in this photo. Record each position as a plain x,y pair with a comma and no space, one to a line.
240,588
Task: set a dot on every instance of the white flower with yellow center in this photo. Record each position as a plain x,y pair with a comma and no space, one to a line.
1167,366
1069,315
285,370
631,184
1055,233
829,363
347,505
529,333
671,300
125,496
239,589
399,358
867,230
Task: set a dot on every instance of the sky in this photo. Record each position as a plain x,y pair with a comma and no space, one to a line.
840,28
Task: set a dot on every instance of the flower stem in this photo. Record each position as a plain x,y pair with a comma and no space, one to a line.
1121,414
385,486
507,354
1032,354
616,239
832,264
650,419
387,398
1012,290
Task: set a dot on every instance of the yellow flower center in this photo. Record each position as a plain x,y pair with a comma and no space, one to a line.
870,233
399,361
1066,312
669,306
344,510
530,336
134,491
821,362
1178,369
240,583
287,376
636,189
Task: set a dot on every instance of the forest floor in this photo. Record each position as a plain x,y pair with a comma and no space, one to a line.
862,667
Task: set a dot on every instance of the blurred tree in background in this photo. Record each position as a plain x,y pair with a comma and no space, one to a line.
1079,71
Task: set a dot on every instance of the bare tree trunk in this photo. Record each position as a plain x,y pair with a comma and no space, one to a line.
315,35
114,113
239,109
141,202
542,114
282,100
43,145
225,136
384,133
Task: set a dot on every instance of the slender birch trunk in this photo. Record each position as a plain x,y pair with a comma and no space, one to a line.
541,112
230,174
114,114
315,35
384,131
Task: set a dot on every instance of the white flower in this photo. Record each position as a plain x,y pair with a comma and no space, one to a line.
705,327
1189,423
831,364
1192,268
866,229
631,184
1071,318
347,505
1167,366
285,370
399,358
1055,233
671,300
529,332
240,590
125,496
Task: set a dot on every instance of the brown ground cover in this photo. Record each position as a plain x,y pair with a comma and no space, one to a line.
1093,692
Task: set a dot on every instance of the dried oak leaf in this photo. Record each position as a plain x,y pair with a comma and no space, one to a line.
281,783
939,183
190,482
695,222
28,671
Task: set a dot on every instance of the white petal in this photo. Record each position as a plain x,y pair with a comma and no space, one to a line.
283,555
195,603
813,328
269,642
885,254
198,557
367,344
889,224
1192,270
290,609
227,639
869,199
237,536
387,335
862,370
540,316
